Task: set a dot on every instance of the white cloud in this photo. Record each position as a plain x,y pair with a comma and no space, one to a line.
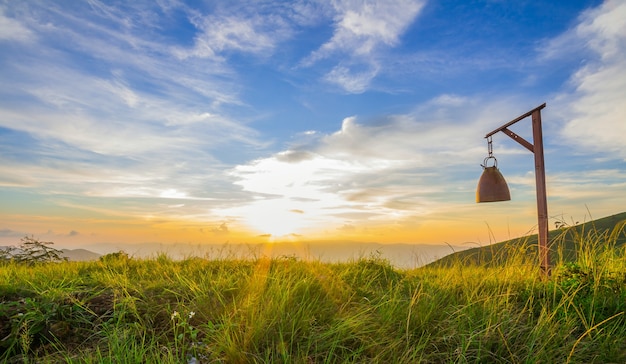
450,100
118,86
135,47
113,115
600,191
362,27
221,34
255,29
384,171
351,80
389,170
13,30
596,109
605,28
362,30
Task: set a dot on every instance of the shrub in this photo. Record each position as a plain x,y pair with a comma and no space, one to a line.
32,251
119,256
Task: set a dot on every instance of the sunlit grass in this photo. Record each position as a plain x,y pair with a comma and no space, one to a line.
262,310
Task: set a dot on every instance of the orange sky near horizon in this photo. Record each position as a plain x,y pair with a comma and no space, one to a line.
500,221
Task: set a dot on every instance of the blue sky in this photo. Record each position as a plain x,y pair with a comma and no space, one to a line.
209,121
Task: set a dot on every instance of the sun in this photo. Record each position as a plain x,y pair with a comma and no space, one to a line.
278,218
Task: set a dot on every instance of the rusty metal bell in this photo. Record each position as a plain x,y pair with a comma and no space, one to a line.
491,186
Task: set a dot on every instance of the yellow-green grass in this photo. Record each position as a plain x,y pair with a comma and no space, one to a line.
284,310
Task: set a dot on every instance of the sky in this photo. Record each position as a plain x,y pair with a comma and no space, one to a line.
203,122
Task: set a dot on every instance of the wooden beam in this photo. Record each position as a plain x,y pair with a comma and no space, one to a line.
516,120
519,139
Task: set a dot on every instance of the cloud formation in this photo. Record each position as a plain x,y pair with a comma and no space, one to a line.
11,233
13,30
361,31
596,107
231,34
362,27
387,170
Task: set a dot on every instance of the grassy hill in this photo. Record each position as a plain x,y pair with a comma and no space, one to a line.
120,309
564,243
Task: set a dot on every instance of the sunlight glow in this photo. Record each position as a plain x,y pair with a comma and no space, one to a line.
172,193
277,217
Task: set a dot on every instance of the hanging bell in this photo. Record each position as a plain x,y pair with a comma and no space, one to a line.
491,186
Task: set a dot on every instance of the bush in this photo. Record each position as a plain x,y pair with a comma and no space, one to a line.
119,256
32,251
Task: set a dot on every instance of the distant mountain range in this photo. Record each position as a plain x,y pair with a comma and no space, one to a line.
80,254
399,255
70,254
564,243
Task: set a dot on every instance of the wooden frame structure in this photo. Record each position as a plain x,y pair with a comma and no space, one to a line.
536,147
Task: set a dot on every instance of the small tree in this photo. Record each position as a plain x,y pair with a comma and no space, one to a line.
7,253
33,251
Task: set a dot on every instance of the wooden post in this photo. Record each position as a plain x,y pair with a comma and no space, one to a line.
542,201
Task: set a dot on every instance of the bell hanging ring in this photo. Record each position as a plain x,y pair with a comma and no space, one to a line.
491,186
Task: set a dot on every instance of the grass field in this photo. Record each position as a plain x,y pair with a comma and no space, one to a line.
259,310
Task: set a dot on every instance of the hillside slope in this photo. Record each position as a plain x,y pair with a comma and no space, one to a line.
564,243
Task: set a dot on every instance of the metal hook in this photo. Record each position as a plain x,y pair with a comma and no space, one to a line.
490,154
495,161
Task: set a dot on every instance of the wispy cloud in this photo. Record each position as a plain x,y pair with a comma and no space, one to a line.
221,34
599,190
363,27
259,30
14,30
362,31
595,108
129,121
351,79
10,233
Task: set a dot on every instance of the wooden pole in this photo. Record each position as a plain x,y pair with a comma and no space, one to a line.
542,201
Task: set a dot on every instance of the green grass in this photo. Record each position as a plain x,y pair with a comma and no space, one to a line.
565,243
124,310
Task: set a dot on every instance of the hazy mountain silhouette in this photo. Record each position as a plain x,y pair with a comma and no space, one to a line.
80,254
399,255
